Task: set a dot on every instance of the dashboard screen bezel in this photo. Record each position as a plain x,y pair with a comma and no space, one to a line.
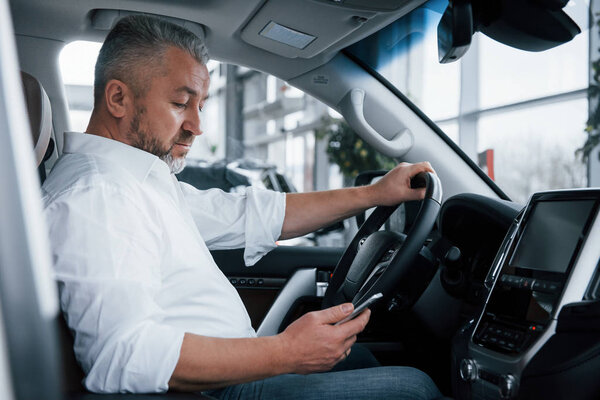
488,316
556,196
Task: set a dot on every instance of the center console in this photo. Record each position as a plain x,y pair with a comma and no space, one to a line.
546,261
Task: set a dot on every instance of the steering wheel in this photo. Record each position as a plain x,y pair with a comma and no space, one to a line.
379,261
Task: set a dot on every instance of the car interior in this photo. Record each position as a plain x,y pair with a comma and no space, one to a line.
491,297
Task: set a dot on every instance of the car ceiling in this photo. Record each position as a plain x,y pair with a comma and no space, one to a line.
231,27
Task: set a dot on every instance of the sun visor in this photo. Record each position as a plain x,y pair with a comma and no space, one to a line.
302,28
106,19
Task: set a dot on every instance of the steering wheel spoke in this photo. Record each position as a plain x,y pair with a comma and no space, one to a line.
374,275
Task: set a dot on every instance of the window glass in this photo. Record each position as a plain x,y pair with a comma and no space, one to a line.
450,129
78,119
77,61
295,161
405,53
534,147
509,75
439,94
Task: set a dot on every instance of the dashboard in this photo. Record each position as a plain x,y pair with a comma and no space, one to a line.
534,332
476,225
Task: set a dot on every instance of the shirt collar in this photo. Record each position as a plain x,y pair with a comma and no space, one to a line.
138,162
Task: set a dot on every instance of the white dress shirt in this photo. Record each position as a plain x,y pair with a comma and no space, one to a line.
129,247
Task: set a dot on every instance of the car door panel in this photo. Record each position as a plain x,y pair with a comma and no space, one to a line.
260,284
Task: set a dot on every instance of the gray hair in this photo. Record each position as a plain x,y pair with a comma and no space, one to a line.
135,48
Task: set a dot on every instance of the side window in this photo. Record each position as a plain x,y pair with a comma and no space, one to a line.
258,131
77,62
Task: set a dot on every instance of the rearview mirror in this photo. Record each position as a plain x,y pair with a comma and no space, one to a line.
455,31
531,25
534,25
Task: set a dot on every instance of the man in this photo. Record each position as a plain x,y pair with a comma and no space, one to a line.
149,308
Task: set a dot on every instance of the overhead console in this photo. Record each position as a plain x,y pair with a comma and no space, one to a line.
305,28
548,260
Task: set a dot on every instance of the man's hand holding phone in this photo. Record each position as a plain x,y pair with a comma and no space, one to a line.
360,308
320,339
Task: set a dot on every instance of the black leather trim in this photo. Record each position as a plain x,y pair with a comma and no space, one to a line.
500,212
280,262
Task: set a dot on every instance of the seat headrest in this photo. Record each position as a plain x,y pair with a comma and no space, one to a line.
40,115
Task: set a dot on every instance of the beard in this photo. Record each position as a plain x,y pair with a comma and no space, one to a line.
148,141
176,165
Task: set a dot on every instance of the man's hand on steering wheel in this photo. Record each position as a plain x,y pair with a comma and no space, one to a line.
395,187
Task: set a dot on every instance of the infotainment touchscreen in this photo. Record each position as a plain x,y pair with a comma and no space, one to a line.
531,282
552,232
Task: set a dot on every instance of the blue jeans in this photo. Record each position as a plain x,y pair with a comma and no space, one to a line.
370,383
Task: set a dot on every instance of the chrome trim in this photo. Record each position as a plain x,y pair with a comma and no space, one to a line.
322,288
302,283
498,262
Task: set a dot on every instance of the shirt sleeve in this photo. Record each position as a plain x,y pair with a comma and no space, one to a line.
107,255
252,220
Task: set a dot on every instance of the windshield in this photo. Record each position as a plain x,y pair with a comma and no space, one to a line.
519,115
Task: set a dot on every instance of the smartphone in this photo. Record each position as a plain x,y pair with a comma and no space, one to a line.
361,308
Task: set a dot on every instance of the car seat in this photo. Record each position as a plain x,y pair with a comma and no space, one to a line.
39,112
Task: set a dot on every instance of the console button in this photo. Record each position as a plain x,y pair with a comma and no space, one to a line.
525,283
468,370
547,286
536,328
502,338
508,386
242,281
553,287
512,280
